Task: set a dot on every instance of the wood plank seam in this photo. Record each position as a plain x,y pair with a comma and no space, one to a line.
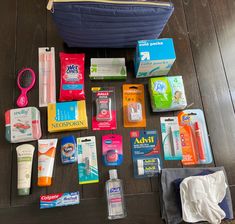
195,68
14,97
221,56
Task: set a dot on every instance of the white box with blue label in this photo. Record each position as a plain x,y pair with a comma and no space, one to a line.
154,57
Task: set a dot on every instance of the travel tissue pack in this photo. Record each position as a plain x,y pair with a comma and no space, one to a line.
154,57
167,93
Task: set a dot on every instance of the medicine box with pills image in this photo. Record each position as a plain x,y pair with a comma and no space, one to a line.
146,156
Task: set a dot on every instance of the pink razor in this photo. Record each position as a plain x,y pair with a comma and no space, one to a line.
25,81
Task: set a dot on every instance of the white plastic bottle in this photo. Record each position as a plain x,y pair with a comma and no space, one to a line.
115,197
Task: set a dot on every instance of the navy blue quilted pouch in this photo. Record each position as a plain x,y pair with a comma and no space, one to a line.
109,23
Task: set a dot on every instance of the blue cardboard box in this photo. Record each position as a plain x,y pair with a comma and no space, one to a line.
154,57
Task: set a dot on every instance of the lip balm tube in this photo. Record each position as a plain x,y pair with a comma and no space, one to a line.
24,164
46,158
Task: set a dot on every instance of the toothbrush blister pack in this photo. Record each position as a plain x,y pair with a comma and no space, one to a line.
171,138
47,84
194,137
87,160
112,152
167,93
22,125
103,108
134,105
145,153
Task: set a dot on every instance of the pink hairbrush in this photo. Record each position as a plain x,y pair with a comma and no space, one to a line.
25,81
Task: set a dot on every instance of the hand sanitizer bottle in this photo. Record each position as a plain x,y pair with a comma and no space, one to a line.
115,197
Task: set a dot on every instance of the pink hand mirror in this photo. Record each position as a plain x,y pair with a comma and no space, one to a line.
25,81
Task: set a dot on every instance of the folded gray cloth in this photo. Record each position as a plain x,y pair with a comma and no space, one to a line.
171,211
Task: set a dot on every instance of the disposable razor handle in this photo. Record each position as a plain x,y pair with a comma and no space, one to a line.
172,146
87,159
87,166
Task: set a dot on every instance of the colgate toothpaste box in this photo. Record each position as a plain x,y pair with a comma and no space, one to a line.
59,200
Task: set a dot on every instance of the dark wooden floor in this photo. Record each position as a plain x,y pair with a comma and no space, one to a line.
204,37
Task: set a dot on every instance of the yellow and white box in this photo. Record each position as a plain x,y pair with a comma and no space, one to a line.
67,116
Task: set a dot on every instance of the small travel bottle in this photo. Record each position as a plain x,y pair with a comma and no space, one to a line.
115,197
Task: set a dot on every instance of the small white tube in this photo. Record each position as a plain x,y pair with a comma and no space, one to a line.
24,163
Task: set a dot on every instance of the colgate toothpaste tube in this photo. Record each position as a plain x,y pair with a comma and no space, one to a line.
59,200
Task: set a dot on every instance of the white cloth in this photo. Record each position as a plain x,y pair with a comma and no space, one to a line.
200,196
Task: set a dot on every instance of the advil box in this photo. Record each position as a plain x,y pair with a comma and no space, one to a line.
154,57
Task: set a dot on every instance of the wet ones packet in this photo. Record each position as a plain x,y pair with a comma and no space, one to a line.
72,77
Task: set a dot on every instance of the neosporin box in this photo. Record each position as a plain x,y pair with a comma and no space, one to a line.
67,116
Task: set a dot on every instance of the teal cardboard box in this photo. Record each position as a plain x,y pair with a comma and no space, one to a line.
154,57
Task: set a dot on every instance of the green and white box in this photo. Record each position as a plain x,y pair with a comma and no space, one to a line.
108,69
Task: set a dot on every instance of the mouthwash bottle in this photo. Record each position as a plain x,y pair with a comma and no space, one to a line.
115,197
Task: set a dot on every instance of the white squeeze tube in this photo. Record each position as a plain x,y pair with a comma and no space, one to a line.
46,158
24,164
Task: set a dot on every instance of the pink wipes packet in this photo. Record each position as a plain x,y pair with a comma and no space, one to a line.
72,77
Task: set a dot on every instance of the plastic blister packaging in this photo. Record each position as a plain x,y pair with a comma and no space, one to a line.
171,138
87,160
135,113
112,151
194,137
47,82
146,156
68,150
22,125
103,108
134,105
